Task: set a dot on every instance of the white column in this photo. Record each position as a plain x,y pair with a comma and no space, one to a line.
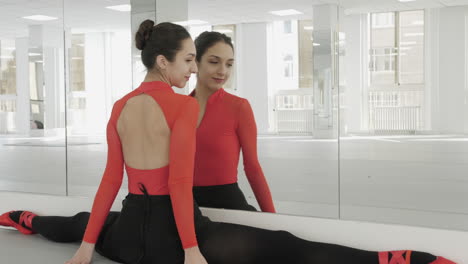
22,87
465,112
325,34
54,100
252,70
353,64
452,70
431,70
95,74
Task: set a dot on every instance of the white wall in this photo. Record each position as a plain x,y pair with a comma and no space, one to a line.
369,236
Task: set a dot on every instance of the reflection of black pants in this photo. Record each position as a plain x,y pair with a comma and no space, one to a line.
228,196
145,232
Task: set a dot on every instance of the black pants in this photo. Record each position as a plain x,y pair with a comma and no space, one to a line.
228,196
145,232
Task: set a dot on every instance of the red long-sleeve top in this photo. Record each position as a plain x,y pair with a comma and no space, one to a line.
228,126
176,179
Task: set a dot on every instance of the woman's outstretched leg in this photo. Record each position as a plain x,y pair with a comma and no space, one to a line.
230,243
55,228
61,228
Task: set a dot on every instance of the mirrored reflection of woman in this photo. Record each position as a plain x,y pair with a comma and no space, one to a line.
226,125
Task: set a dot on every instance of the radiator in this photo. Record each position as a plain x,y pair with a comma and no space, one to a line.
395,119
294,120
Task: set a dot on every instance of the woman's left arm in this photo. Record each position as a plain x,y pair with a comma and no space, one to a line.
247,134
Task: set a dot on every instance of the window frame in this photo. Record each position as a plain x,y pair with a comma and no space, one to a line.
397,48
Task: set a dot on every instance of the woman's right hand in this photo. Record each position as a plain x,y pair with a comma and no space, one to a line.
83,255
194,256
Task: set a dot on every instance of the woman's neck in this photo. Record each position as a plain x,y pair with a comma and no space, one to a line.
154,77
202,93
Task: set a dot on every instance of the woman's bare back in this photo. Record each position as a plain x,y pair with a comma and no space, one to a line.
144,133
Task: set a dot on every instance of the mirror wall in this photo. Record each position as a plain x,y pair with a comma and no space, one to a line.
362,110
403,108
283,67
99,73
32,97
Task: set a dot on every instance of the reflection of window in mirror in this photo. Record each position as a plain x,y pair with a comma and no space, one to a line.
382,48
411,47
93,50
305,30
7,85
396,71
77,95
230,31
284,56
36,88
7,67
291,76
77,78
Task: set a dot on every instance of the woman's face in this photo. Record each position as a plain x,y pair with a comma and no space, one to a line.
179,70
214,67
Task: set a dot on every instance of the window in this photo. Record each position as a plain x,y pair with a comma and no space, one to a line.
77,69
383,20
7,67
397,49
305,30
396,71
411,47
382,49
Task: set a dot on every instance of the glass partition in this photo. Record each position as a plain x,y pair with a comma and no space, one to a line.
32,97
404,142
100,72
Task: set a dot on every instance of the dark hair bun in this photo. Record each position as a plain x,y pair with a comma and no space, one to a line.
144,33
162,39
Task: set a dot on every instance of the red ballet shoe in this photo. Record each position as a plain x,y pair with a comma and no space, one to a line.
397,257
5,220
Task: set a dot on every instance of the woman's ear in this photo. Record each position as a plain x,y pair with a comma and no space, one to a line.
162,62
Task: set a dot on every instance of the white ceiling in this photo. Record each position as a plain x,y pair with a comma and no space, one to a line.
92,15
79,15
225,11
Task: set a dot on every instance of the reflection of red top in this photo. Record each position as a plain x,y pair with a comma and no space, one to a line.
227,126
176,179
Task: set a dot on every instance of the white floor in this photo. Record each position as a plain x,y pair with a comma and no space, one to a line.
20,249
416,180
362,235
